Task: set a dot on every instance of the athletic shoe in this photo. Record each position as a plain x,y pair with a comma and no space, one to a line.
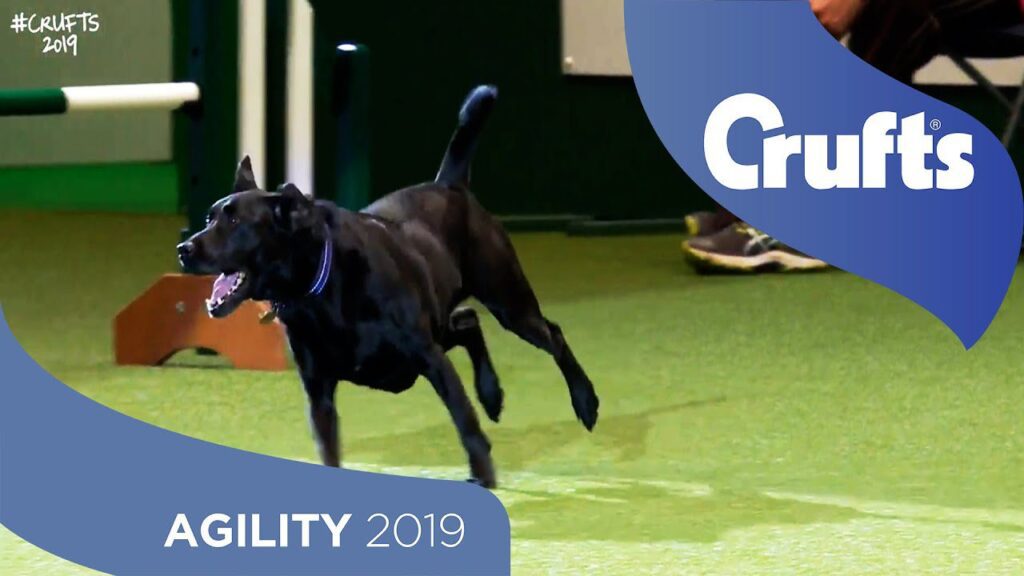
707,223
742,248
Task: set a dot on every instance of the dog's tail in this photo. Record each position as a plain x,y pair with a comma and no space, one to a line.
459,155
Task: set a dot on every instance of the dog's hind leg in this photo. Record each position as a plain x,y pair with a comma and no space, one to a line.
464,330
546,335
442,375
499,283
493,276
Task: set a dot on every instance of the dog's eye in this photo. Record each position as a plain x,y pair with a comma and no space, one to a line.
229,211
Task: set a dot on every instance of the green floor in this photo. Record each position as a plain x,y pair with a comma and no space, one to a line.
749,425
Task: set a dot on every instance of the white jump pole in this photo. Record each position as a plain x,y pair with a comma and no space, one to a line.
162,96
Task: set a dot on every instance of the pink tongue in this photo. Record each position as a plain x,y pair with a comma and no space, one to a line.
222,285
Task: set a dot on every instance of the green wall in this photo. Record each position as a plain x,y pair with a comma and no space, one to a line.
555,144
146,188
98,160
133,44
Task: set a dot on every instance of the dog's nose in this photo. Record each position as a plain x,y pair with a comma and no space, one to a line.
186,250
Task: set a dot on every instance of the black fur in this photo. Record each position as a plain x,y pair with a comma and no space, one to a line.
389,311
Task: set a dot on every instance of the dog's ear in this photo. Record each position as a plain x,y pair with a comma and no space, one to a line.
292,209
244,179
292,191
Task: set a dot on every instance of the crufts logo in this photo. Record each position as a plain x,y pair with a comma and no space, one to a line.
857,156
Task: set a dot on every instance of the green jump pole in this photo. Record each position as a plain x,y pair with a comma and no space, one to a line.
350,95
41,101
206,141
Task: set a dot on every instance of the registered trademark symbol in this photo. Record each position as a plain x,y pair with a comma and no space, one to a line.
935,124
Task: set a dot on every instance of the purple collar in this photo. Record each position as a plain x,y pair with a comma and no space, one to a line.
324,271
319,283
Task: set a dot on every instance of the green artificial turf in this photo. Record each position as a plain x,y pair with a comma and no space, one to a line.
809,424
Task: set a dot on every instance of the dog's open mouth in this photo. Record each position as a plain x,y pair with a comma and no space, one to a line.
228,292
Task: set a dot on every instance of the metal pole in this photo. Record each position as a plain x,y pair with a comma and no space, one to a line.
350,105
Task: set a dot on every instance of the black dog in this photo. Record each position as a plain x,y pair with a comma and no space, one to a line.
371,297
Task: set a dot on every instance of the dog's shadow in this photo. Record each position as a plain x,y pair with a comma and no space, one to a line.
620,437
582,506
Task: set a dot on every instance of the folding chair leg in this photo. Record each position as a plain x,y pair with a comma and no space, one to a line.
1015,117
974,74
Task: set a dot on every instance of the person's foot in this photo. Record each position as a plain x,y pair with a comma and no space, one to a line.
702,223
742,248
706,223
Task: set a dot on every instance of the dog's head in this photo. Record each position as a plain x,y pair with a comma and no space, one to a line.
249,241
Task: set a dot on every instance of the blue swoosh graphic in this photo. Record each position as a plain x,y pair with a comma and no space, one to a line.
102,489
952,252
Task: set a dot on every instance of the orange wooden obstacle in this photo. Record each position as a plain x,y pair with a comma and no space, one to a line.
171,316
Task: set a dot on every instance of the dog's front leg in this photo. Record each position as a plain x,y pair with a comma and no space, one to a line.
323,417
442,376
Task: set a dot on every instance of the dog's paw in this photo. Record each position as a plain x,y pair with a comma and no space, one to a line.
493,400
490,394
489,484
585,404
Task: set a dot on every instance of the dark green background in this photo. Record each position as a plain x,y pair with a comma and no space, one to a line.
556,143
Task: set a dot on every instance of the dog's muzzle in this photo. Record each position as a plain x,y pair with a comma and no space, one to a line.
187,254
